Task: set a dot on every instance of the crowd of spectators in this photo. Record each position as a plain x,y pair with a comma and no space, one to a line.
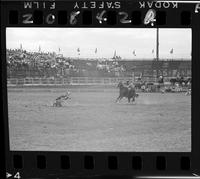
21,63
24,64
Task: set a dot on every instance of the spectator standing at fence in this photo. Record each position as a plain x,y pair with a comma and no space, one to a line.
161,80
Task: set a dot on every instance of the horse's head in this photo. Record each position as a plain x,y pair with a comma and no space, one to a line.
120,84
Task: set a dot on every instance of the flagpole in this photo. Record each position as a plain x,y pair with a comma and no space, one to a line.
21,47
96,53
78,50
172,55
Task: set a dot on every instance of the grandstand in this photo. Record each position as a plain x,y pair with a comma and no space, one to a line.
49,68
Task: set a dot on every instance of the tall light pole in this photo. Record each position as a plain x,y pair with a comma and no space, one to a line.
157,50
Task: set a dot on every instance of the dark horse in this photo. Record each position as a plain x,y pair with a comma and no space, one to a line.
124,91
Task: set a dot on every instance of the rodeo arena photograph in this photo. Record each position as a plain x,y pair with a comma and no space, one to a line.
99,89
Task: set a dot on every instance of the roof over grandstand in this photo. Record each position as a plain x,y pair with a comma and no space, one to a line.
103,43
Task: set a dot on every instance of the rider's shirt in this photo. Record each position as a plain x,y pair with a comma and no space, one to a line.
131,86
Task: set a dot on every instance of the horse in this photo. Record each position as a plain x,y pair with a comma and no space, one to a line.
181,81
124,91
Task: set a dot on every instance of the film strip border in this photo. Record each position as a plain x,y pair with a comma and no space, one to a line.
34,164
76,163
102,14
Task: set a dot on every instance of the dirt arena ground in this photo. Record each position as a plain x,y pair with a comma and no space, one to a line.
92,121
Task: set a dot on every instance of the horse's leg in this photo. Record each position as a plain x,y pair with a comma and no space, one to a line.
133,99
117,100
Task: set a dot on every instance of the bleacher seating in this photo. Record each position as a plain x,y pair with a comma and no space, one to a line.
23,64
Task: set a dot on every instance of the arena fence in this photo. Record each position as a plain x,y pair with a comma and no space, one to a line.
88,81
70,81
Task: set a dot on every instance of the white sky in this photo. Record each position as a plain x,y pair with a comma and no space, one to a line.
106,40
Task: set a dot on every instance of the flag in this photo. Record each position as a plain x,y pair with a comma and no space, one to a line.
96,50
78,50
153,51
134,53
114,57
20,46
39,48
59,49
172,51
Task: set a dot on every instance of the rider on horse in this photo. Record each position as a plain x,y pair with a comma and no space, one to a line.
130,85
